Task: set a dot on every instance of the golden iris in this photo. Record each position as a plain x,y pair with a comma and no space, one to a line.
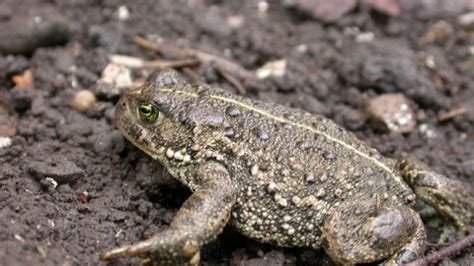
147,112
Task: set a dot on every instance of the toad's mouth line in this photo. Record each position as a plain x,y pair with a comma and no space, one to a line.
150,152
217,97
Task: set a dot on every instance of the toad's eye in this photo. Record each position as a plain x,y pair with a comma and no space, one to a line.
147,112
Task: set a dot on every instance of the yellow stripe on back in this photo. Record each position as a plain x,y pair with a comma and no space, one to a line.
299,125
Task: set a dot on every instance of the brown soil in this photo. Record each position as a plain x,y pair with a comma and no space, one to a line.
110,194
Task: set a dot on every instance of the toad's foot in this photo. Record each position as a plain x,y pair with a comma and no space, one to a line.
201,218
451,198
159,249
362,232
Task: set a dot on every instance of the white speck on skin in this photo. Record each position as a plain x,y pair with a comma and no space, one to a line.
296,200
291,231
254,170
249,191
283,202
169,153
178,156
272,187
186,158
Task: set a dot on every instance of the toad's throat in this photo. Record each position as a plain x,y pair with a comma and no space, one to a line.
347,146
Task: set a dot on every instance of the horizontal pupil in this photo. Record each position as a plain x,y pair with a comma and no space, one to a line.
145,110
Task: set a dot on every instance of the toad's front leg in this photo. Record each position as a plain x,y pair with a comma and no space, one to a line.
201,218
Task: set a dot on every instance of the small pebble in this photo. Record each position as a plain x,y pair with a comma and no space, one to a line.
322,10
53,182
467,20
323,177
440,33
23,80
117,75
236,22
275,68
5,142
83,100
55,167
392,112
274,258
123,13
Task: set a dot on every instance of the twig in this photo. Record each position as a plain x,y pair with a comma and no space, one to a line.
240,88
192,74
445,252
171,63
135,62
225,65
168,50
451,114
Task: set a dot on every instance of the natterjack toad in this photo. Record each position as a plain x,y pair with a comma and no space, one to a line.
278,175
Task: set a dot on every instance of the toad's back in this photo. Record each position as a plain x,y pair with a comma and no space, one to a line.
291,168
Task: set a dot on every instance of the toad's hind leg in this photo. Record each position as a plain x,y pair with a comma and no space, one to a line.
362,232
201,218
451,198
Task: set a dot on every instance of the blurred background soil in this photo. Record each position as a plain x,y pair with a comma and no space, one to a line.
400,74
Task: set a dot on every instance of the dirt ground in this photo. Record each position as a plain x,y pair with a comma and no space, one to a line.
71,187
